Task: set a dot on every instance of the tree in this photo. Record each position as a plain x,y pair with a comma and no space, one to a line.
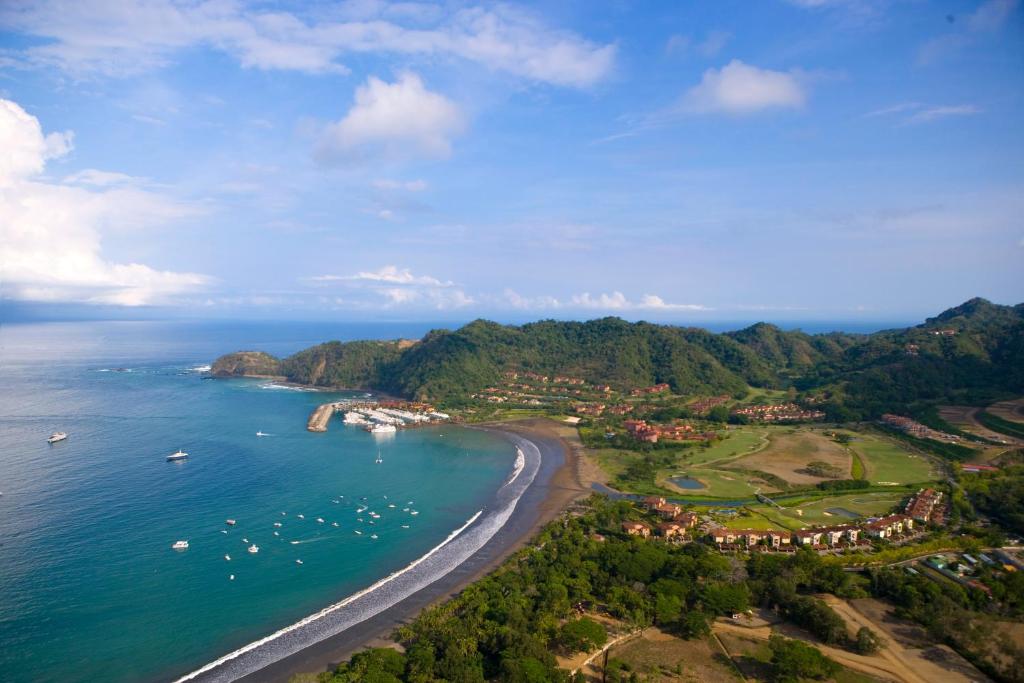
793,660
867,641
582,635
694,625
719,414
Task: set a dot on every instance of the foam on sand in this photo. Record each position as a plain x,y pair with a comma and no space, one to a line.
460,544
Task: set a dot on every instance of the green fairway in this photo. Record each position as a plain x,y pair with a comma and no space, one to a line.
886,461
720,484
737,442
815,513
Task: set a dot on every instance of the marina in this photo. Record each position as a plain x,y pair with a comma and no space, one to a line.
379,418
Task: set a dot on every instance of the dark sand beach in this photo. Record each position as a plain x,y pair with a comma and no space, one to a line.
563,477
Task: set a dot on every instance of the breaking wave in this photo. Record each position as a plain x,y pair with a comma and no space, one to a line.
459,546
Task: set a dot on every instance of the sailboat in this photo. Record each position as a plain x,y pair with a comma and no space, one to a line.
379,459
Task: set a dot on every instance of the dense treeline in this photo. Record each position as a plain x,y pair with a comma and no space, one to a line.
1000,495
854,376
510,625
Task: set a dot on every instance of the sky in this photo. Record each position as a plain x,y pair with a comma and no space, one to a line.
372,160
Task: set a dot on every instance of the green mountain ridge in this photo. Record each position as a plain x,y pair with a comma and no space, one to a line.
856,375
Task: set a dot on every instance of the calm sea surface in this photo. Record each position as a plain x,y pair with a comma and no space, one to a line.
89,587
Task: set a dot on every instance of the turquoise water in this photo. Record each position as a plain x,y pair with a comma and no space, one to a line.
89,587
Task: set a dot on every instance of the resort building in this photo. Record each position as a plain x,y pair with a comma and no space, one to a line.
779,412
671,530
656,389
636,529
925,506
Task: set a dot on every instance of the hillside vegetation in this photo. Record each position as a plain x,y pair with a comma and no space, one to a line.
969,353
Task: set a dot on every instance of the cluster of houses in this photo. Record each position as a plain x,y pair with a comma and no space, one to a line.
651,433
678,523
655,389
703,405
927,506
843,535
597,409
915,428
948,332
779,412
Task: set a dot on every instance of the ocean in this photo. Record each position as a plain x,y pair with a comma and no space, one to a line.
90,588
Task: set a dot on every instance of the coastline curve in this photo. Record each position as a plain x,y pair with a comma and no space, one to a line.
456,548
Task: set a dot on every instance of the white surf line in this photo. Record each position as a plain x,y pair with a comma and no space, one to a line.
327,610
477,539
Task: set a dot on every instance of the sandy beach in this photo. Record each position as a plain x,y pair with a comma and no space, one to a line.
564,477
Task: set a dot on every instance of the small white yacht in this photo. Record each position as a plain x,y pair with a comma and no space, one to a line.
374,536
298,561
262,434
379,459
277,524
359,532
382,429
334,524
254,548
57,436
180,545
302,516
320,520
230,522
413,512
180,455
227,557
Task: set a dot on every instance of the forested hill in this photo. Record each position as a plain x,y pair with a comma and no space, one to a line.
972,350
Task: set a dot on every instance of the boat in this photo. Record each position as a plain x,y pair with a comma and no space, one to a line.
298,561
231,578
373,536
254,549
405,526
382,429
294,542
379,459
414,512
359,532
229,522
391,505
302,516
320,520
57,436
227,557
277,524
180,545
180,455
223,531
334,524
262,434
276,534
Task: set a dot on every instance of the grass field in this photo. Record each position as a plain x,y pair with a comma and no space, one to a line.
887,461
814,513
789,452
737,442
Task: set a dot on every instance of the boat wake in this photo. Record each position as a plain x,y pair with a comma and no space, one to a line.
459,546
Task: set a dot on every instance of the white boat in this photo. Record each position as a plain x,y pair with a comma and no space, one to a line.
294,542
359,532
180,545
277,524
373,535
227,557
382,429
320,520
379,459
254,548
298,561
262,434
57,436
229,522
231,578
414,512
276,534
405,526
180,455
391,505
302,516
334,524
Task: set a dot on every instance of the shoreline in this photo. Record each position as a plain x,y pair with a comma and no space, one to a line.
557,485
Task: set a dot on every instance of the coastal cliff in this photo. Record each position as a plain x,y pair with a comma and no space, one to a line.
247,364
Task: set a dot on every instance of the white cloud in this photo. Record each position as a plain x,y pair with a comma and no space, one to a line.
989,18
739,88
407,185
712,44
397,287
131,36
395,120
918,112
615,301
942,112
51,233
97,178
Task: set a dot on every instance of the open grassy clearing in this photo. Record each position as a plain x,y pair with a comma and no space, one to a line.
737,442
886,461
663,657
791,450
1009,410
722,484
816,513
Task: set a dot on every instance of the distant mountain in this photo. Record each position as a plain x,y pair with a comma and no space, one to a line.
965,353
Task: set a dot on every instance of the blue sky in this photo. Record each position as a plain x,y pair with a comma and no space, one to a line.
690,161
